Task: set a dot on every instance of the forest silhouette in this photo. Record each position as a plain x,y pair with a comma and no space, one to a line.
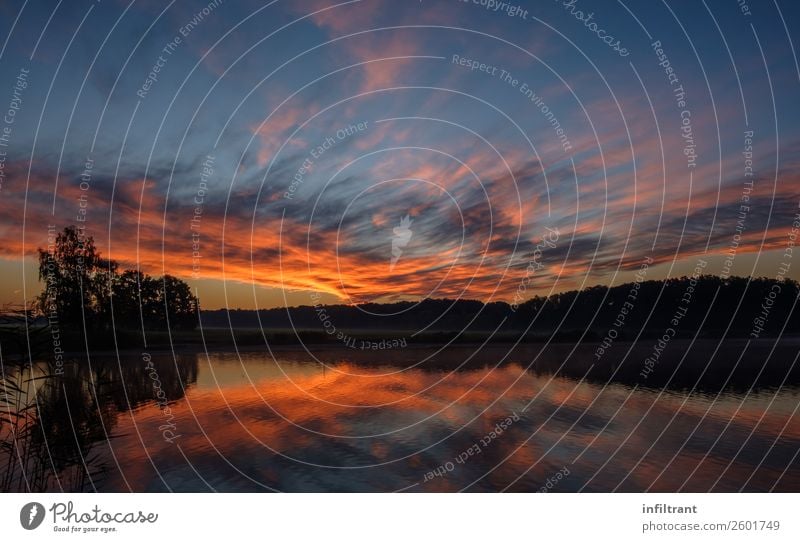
84,294
732,306
82,288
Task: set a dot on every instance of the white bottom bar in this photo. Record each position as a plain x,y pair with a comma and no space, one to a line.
402,517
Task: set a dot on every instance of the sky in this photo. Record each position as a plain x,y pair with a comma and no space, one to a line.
298,152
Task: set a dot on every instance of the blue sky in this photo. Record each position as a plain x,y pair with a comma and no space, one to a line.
477,160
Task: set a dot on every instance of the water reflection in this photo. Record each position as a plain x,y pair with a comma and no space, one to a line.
343,422
57,421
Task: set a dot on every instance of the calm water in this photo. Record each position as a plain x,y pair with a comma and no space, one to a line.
362,421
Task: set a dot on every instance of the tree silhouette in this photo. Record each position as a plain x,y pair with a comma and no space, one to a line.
179,303
80,286
68,272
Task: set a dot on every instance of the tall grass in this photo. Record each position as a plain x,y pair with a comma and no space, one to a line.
48,422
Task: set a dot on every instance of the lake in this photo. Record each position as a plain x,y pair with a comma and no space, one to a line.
464,418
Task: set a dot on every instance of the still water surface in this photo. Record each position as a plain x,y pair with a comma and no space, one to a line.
389,421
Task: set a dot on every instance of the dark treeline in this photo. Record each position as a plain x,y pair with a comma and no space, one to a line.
710,305
84,291
54,407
